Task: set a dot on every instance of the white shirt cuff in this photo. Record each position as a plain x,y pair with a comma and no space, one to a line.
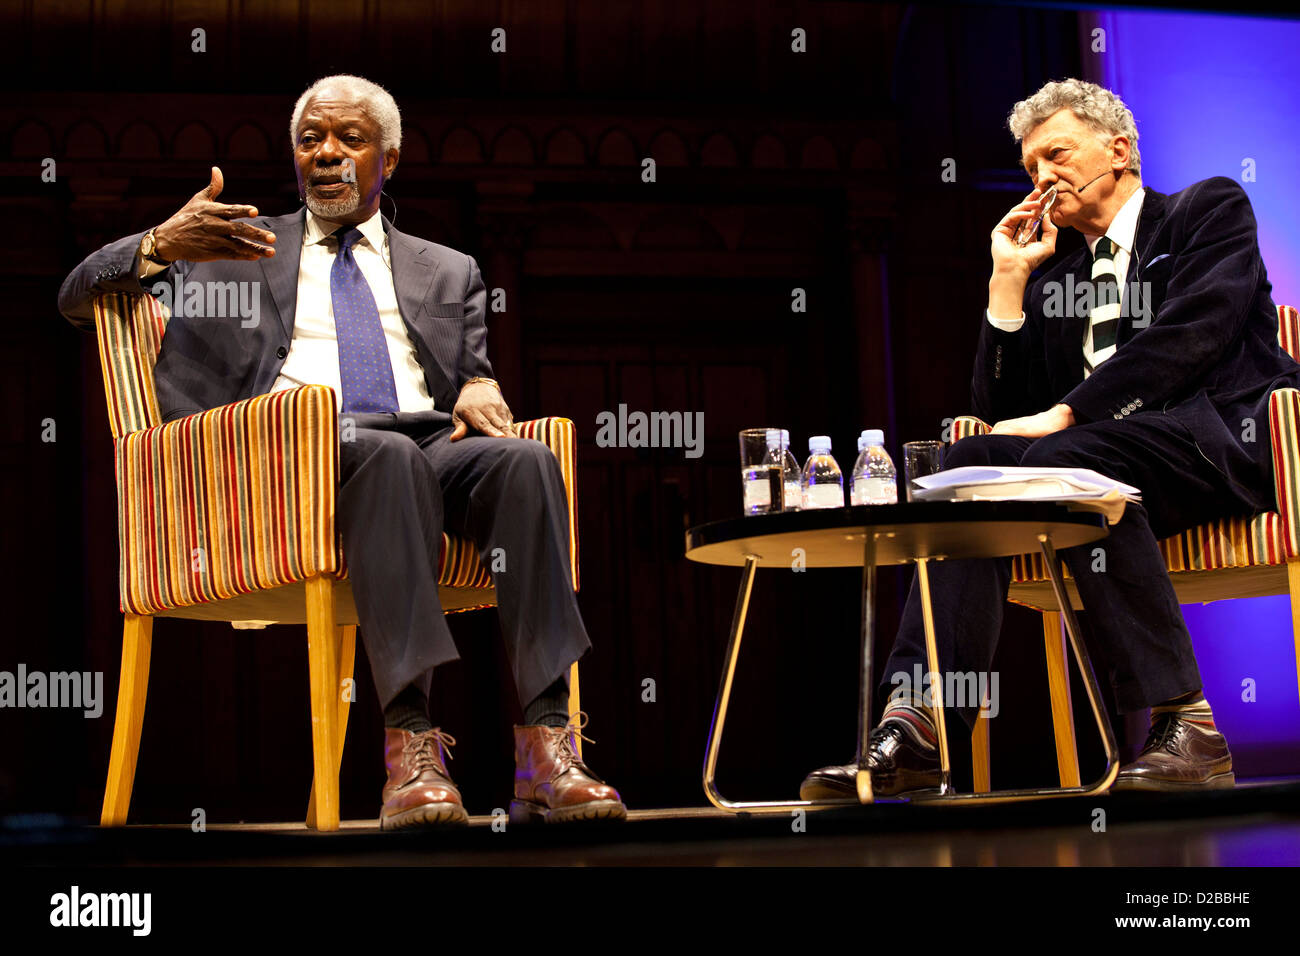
1006,325
147,268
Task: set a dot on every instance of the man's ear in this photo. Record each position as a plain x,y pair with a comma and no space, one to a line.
1120,151
390,163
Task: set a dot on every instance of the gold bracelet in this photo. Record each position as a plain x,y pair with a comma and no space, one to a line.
489,381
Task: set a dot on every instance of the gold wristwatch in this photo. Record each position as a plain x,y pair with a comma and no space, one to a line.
149,249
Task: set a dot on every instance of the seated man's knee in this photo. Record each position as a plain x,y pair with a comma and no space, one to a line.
1057,450
363,445
528,455
972,450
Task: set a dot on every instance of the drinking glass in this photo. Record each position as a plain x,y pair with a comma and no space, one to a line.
921,458
761,454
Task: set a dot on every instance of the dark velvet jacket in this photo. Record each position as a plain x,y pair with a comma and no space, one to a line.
1205,351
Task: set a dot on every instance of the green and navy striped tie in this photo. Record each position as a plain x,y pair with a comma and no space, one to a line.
1103,321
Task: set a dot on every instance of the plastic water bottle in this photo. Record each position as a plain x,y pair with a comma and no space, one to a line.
791,475
822,482
875,480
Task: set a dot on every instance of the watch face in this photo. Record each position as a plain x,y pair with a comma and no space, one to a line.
147,245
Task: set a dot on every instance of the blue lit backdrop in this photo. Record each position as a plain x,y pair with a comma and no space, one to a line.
1209,93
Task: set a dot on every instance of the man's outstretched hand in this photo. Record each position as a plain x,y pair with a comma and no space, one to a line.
1055,419
204,229
481,407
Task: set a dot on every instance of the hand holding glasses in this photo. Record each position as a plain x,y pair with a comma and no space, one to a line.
1028,230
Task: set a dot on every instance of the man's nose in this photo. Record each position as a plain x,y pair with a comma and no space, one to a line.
329,152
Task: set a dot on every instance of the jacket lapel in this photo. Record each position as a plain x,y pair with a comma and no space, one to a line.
281,270
414,268
1074,327
1136,298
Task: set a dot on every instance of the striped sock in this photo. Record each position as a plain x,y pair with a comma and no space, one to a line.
1193,708
912,715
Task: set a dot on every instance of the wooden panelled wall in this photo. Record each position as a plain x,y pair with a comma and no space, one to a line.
775,171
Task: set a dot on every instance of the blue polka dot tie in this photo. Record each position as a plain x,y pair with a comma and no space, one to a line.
365,371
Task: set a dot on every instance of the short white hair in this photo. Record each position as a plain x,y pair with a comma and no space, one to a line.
374,100
1095,105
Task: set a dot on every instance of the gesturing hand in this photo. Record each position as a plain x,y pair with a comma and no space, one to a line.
481,407
204,229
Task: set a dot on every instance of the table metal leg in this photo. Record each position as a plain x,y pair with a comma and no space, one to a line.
935,677
1085,664
1102,783
868,635
945,794
720,717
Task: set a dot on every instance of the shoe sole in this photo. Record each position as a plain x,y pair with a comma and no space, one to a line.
525,811
1220,781
823,789
430,816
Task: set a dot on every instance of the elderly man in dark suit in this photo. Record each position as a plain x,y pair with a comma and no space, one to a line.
1149,356
396,326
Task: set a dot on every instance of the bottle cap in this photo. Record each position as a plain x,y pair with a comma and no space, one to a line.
774,439
873,436
819,445
785,436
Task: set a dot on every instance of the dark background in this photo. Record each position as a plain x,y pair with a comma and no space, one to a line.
776,170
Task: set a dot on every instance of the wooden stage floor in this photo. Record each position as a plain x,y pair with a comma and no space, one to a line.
1254,825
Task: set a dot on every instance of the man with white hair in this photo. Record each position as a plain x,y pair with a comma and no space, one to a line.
1143,356
395,325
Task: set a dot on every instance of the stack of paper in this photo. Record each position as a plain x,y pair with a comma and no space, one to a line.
989,483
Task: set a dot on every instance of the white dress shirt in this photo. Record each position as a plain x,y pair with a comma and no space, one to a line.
313,357
1122,232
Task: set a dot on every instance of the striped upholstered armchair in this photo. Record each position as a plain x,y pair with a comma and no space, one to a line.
228,515
1231,558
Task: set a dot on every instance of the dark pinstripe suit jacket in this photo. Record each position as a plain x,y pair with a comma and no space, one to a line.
211,360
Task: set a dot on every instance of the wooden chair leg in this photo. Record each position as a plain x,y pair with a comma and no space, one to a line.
575,698
137,644
323,661
1293,585
979,753
346,646
1058,683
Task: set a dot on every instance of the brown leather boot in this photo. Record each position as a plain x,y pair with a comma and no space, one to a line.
552,784
418,792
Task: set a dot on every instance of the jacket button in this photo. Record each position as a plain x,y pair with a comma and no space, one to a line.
1127,410
1118,415
281,352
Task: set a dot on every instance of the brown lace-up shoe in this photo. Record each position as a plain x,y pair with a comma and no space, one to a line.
1179,756
552,784
418,792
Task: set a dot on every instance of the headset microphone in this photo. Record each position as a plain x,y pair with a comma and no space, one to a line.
1090,182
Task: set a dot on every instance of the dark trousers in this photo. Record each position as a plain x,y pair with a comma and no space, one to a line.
401,483
1133,615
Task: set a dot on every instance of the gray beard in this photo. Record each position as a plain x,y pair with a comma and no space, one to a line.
333,209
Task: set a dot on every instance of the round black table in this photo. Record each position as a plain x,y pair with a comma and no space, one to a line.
917,532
